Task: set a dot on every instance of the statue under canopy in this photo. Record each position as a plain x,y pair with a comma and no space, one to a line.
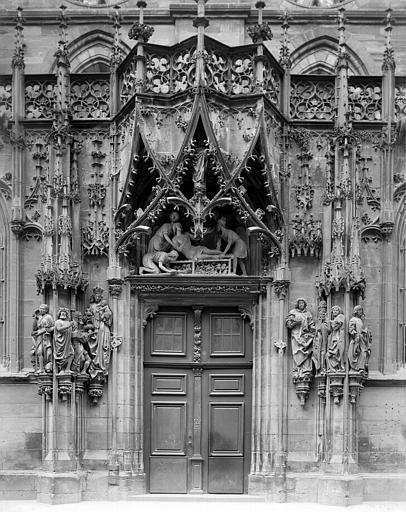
302,330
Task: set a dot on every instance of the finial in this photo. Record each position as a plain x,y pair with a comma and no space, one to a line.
342,60
115,57
284,58
260,31
201,20
260,5
62,52
18,57
388,56
141,31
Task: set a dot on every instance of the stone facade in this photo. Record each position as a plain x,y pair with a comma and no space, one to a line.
202,196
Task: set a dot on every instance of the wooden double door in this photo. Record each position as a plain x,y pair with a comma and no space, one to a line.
198,364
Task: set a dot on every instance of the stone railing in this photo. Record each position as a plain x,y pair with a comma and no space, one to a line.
39,93
227,71
89,96
400,98
5,96
365,98
312,98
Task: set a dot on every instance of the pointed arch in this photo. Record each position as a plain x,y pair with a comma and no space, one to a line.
319,55
91,52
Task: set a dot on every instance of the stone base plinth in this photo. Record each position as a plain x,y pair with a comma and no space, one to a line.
59,488
72,487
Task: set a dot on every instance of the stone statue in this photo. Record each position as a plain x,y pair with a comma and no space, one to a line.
321,339
63,348
359,348
154,262
183,243
336,344
302,330
161,239
235,243
43,338
36,346
99,345
81,359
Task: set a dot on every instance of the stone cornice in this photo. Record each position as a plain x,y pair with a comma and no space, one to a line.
176,11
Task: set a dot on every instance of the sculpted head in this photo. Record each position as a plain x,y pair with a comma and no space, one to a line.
173,255
358,311
301,304
43,309
174,217
335,311
63,314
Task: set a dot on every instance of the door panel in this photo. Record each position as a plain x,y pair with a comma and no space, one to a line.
226,435
168,475
168,428
197,411
226,476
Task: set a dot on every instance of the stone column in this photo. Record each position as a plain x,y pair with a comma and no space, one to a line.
15,349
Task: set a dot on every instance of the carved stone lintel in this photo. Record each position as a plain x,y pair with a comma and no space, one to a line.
116,341
80,381
247,312
45,385
17,227
149,311
64,386
336,387
386,228
115,287
280,345
96,388
356,381
281,289
302,385
321,386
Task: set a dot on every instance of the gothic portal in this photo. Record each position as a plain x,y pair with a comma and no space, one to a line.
202,250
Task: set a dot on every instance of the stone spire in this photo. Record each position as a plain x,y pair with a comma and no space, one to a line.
341,73
284,54
260,31
18,57
200,22
388,56
140,31
115,57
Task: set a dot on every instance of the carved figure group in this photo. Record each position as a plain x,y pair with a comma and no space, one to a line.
170,240
81,345
322,345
